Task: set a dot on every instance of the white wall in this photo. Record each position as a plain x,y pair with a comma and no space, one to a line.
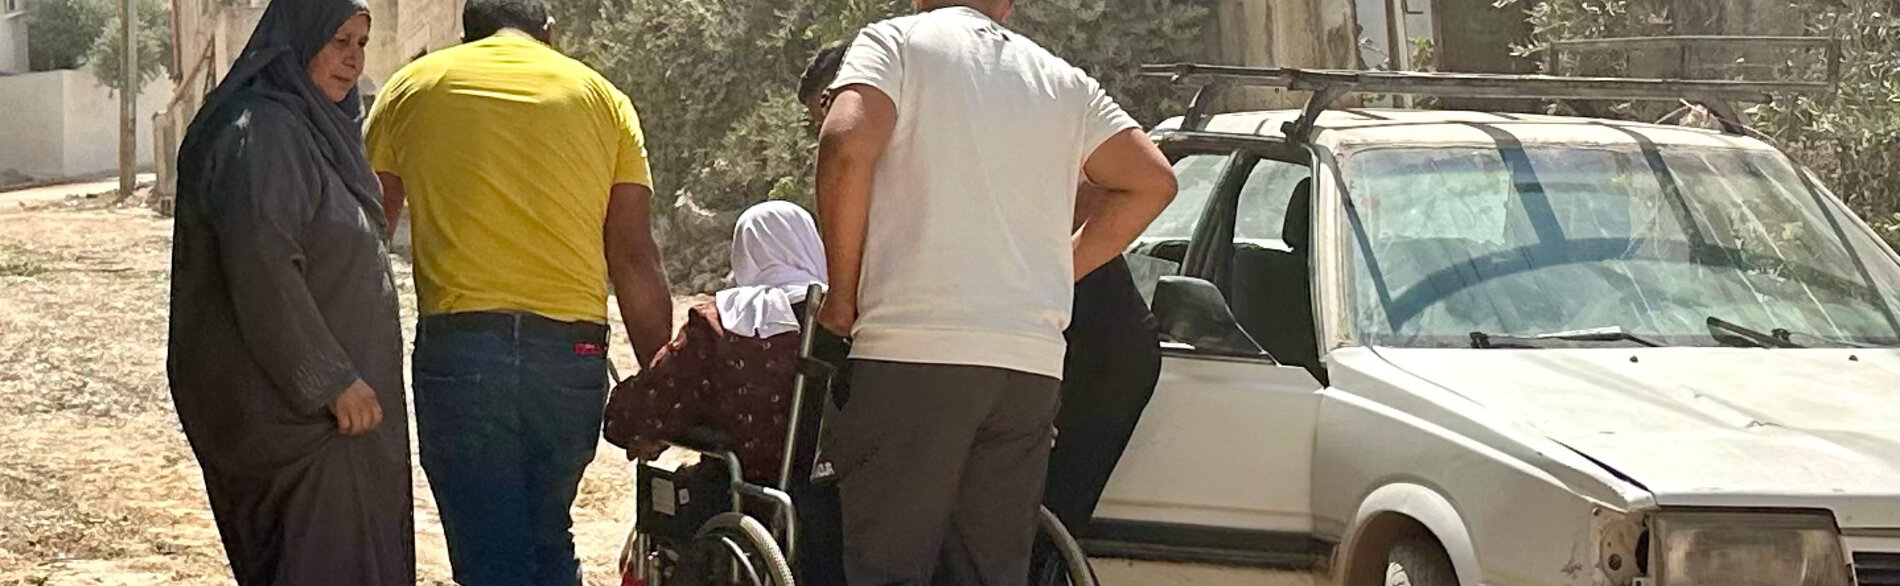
92,123
59,124
33,124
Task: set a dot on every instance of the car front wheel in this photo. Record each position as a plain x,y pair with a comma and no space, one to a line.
1419,561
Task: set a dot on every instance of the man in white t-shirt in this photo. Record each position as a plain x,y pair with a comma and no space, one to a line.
947,174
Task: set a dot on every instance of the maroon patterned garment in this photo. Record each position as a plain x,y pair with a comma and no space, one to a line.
710,377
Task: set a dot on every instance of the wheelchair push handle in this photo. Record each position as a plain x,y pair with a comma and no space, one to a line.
807,339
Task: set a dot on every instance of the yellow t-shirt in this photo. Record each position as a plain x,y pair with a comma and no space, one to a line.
507,150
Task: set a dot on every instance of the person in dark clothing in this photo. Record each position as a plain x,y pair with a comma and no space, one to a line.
285,354
1108,375
818,76
821,523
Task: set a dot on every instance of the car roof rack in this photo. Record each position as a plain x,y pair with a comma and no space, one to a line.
1328,85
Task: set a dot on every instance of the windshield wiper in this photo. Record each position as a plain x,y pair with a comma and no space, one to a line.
1823,339
1606,334
1778,339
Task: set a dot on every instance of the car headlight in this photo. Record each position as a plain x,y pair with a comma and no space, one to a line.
1748,549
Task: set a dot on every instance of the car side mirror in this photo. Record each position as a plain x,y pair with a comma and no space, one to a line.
1192,311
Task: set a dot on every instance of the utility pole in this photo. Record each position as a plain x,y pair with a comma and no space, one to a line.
1398,44
128,99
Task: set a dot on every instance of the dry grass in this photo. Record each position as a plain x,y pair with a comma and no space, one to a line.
17,261
97,484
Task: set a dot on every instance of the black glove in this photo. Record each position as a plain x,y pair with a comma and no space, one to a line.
834,351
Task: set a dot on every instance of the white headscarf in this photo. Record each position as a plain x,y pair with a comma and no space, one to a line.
776,255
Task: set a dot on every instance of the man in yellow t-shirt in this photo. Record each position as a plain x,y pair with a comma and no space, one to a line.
527,179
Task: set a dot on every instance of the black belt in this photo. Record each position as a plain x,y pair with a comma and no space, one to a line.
514,325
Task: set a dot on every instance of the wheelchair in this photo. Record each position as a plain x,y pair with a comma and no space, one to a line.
704,525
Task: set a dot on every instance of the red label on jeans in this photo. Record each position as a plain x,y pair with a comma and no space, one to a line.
586,349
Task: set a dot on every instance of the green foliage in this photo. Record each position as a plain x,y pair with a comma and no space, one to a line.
70,34
1112,38
60,33
702,73
1424,54
1553,20
16,261
1851,139
714,81
1425,58
153,40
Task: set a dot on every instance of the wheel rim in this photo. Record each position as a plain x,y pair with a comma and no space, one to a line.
1395,575
742,560
743,538
1071,564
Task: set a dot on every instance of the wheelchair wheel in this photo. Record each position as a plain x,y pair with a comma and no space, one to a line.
736,550
1060,560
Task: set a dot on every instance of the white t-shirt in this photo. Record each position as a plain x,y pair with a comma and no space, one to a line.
967,259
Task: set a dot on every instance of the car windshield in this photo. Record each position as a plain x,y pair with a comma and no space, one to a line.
1653,240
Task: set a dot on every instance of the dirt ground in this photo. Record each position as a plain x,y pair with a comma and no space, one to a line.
97,484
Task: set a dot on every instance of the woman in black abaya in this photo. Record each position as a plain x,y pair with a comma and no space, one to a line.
285,353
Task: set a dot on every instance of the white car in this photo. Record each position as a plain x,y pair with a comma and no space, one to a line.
1515,350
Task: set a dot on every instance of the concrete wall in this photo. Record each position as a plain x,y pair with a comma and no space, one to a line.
61,124
12,39
404,29
399,29
1475,36
1287,33
379,57
92,123
34,125
1374,34
233,30
427,25
193,23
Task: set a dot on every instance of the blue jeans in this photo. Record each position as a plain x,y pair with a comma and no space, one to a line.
508,412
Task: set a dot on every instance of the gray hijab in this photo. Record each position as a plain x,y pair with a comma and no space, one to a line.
274,66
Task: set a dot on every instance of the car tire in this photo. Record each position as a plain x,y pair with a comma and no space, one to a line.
1418,560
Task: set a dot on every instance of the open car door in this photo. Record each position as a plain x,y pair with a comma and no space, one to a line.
1220,466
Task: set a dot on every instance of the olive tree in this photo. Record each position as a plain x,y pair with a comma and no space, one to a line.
715,84
1851,139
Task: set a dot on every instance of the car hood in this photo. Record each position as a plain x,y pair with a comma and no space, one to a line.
1737,427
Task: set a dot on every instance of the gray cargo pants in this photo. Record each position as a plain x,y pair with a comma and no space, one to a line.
940,470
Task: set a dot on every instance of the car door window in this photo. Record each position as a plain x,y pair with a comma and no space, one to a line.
1198,175
1269,281
1261,212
